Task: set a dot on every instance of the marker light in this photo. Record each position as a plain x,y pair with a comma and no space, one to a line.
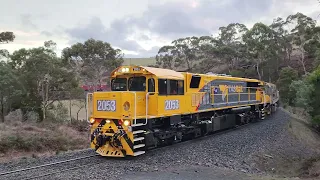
92,120
108,121
126,122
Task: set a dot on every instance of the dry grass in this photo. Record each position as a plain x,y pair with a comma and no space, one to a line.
298,113
24,139
288,166
77,106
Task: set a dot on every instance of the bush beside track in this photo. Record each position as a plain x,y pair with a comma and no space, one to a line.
20,139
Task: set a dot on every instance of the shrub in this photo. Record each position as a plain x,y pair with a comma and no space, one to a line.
287,76
57,113
80,125
38,143
314,79
300,93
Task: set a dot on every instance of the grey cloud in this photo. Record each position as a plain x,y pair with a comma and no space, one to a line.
116,34
149,53
26,21
174,23
176,19
47,33
173,20
235,10
144,53
144,37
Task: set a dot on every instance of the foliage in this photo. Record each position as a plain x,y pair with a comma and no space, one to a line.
183,53
261,44
258,52
6,37
92,61
286,52
10,89
230,45
304,93
314,79
301,91
287,76
44,78
58,113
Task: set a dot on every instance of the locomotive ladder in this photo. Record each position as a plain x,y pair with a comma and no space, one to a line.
138,139
138,131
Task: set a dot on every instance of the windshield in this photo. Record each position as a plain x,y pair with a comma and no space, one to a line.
119,84
137,83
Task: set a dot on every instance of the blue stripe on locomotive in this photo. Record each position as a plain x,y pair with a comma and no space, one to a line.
220,100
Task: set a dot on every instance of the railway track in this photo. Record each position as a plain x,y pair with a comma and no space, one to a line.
24,172
48,172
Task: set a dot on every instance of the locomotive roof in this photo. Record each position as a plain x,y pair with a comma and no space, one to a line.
228,77
164,73
172,74
159,72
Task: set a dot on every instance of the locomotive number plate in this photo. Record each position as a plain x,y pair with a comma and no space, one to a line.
106,105
171,104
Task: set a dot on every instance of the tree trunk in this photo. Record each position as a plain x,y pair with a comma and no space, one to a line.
70,107
188,64
44,110
269,75
2,108
303,63
78,114
258,71
24,114
41,114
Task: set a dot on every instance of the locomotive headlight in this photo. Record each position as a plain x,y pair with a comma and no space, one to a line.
126,122
92,120
108,121
125,70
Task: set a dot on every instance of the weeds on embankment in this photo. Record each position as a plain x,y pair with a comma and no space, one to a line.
19,138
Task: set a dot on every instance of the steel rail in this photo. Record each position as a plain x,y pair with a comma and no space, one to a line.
60,171
45,165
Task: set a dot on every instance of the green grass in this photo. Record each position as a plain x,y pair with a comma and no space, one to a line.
140,61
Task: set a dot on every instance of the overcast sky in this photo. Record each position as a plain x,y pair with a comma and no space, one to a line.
138,27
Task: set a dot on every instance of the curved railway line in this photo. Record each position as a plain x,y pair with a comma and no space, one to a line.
13,174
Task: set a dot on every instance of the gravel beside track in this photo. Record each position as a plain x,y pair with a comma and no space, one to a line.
234,150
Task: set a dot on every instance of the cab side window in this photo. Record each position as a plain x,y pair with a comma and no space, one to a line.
162,86
171,87
173,90
151,85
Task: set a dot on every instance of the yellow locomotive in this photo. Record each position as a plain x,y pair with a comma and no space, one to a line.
150,107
